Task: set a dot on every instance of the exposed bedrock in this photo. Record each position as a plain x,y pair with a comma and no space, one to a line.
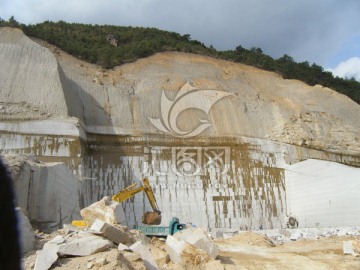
215,138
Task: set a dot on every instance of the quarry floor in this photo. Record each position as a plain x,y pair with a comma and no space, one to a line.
326,253
247,251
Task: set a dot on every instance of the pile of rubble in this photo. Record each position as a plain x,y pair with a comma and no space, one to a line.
288,235
106,244
279,237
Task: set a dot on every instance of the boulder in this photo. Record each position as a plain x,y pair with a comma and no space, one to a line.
38,184
157,249
186,254
193,257
27,235
112,39
84,246
278,236
200,239
116,234
174,247
129,260
105,210
46,257
145,254
347,247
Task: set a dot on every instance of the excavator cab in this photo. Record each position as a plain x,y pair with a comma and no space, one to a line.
150,218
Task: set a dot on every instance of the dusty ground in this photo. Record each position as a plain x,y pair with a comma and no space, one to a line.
257,253
245,251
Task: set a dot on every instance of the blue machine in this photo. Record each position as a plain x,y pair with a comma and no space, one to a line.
161,231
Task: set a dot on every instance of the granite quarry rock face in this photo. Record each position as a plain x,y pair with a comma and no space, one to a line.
210,135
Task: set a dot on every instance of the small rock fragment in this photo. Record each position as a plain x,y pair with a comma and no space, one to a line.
122,247
100,262
295,235
131,256
68,228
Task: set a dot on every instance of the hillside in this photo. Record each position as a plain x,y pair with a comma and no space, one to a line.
226,147
207,132
122,100
88,42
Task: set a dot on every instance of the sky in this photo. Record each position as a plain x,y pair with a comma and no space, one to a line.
325,32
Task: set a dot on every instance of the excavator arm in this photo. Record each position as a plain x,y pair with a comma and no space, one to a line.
150,195
127,193
153,218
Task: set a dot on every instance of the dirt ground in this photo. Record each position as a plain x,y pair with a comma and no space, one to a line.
325,253
245,251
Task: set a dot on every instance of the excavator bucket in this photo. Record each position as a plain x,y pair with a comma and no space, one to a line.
151,218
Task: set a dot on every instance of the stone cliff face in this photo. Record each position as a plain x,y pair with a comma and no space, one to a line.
29,77
213,137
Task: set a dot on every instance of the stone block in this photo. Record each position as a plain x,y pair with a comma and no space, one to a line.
174,247
85,246
200,239
194,258
46,257
347,247
27,235
105,210
111,232
145,254
47,184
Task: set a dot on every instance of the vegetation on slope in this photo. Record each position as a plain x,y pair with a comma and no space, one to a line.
88,42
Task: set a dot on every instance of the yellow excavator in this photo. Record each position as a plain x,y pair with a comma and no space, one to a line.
151,218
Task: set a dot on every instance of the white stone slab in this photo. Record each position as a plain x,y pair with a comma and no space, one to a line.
85,246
